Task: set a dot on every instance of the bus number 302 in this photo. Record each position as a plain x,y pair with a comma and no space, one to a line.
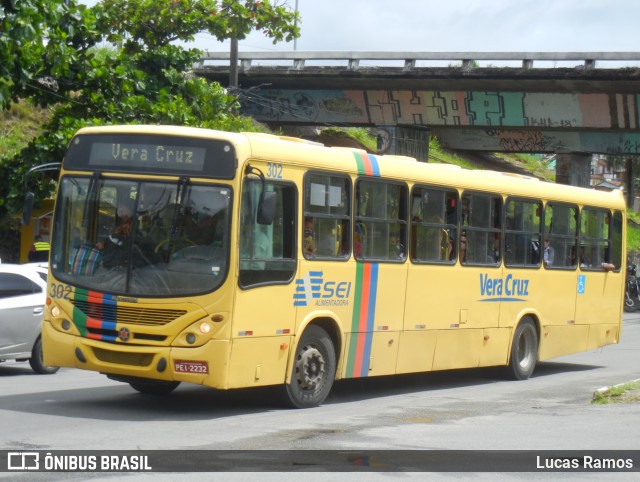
274,170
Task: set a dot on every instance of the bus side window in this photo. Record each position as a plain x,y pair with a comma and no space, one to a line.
523,230
327,216
380,232
433,225
267,252
596,237
481,218
561,230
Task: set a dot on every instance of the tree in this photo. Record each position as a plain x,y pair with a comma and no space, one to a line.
40,42
149,24
145,79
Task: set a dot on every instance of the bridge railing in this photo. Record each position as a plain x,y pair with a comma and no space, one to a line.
298,59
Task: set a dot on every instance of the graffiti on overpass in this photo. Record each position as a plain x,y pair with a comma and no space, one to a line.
440,108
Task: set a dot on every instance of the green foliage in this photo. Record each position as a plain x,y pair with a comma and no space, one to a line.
624,393
360,134
145,81
42,42
149,24
633,232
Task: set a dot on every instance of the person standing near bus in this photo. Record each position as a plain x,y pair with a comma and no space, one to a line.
39,251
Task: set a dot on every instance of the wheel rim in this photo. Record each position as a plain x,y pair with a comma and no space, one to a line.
525,353
310,368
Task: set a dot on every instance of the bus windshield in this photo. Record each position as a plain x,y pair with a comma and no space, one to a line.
141,238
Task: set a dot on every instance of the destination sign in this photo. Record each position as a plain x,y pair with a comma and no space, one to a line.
152,154
148,155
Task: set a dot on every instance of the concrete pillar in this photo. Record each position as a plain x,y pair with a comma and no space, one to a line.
573,169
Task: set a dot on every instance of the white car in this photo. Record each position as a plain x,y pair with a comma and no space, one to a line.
23,291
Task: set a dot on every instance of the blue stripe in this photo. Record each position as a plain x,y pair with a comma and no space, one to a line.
371,314
374,165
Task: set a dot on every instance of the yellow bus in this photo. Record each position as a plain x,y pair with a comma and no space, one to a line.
241,260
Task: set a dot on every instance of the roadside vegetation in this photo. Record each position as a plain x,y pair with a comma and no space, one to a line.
624,393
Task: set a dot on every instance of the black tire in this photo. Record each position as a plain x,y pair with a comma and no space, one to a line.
154,387
36,360
631,303
524,350
314,369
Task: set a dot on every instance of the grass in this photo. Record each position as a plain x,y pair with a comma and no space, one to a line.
18,125
623,393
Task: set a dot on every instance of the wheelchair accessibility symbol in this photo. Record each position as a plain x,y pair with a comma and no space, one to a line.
581,282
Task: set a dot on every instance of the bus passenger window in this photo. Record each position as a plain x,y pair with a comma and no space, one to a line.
327,216
561,229
523,229
267,252
595,239
433,225
481,221
380,231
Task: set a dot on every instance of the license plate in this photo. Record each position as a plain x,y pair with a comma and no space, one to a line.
184,366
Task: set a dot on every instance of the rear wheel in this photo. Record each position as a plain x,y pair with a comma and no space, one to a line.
314,369
37,362
524,350
153,387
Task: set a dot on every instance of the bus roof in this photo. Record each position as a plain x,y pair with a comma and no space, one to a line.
314,155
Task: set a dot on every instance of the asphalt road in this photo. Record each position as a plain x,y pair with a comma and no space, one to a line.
454,410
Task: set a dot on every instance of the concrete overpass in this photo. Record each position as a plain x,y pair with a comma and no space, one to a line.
570,103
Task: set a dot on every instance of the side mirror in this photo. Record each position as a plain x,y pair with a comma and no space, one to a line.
266,207
27,208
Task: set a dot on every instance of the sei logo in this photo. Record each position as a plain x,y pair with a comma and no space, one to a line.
313,289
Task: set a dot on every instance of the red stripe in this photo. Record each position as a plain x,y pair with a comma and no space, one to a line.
93,323
95,296
368,169
362,323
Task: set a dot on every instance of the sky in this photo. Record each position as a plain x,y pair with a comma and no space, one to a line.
455,26
458,26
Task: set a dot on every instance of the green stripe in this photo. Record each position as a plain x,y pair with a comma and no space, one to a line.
80,320
81,295
355,319
360,163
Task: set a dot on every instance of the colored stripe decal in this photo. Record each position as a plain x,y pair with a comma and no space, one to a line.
363,319
95,320
367,165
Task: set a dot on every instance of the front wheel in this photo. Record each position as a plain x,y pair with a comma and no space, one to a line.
37,362
524,350
314,369
631,303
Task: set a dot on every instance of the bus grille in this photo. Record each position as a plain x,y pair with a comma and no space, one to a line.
128,314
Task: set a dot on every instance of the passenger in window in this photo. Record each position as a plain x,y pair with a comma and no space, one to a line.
584,259
549,253
396,249
494,254
308,242
463,248
358,239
